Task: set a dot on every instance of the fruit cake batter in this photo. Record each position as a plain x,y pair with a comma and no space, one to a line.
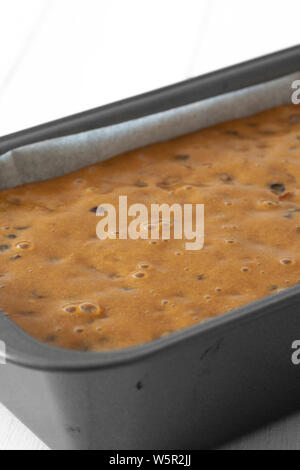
64,286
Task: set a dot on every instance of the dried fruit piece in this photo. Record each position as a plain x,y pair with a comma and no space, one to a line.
22,228
141,184
50,338
182,157
170,181
233,133
294,118
4,248
277,188
225,177
15,257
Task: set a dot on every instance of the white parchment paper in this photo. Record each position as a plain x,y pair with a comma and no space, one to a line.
55,157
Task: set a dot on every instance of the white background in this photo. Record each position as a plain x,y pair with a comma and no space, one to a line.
59,57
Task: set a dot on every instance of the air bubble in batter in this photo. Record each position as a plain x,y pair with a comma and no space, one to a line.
287,261
70,308
24,246
90,308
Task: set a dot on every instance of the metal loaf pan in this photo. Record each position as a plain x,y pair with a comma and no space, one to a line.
192,390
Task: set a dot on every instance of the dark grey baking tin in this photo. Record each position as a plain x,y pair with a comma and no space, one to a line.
193,390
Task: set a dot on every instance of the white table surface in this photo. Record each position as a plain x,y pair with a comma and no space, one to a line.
59,57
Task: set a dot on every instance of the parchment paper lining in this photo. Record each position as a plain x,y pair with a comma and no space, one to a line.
56,157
